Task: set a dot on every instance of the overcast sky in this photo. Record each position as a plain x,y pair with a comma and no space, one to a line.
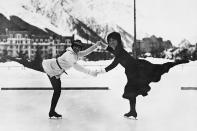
172,19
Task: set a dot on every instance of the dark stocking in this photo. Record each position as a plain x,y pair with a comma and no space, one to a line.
132,111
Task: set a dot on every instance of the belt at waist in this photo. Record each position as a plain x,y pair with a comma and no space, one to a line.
60,66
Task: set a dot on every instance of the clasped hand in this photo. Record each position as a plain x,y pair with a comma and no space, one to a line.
96,72
102,44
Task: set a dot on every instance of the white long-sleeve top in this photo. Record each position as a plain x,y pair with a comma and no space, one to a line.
66,61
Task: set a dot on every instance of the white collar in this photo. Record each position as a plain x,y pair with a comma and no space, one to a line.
71,50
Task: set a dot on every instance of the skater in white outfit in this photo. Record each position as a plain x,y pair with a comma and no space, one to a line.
55,67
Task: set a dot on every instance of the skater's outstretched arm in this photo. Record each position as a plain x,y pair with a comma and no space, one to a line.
103,45
108,68
106,47
112,65
84,70
89,50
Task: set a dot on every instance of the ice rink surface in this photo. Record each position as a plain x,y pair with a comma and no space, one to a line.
166,108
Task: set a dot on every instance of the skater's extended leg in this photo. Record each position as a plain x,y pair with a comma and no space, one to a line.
19,60
161,69
56,83
168,65
35,65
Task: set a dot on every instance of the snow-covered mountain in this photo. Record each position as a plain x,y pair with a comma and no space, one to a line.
87,19
184,44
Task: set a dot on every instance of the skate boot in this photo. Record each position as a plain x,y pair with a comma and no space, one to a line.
131,115
54,115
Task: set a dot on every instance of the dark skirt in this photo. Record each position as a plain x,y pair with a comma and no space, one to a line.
138,79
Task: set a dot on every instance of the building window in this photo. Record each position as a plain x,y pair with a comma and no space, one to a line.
11,35
18,36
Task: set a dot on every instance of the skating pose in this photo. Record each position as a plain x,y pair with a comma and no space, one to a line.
140,73
55,67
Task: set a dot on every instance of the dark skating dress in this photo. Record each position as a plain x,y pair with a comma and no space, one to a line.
140,73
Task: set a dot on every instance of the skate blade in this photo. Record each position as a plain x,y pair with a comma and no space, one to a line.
130,118
55,118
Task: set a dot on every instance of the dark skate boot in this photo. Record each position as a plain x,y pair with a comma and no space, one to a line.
54,115
131,115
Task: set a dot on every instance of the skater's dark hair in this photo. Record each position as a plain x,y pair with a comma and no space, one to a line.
77,43
116,36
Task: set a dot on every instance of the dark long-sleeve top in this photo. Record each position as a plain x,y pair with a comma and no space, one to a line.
121,57
138,68
139,72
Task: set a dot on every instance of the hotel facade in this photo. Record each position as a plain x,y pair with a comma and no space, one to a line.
15,42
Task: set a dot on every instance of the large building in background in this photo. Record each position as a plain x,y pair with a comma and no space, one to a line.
14,42
150,44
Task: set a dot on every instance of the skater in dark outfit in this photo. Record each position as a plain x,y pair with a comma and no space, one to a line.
140,73
55,67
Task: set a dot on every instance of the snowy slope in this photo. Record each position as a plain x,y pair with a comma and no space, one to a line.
18,8
60,16
105,16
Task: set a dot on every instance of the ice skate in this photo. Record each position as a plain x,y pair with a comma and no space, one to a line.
131,115
54,115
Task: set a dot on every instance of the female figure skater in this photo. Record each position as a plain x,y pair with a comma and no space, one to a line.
55,67
140,73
